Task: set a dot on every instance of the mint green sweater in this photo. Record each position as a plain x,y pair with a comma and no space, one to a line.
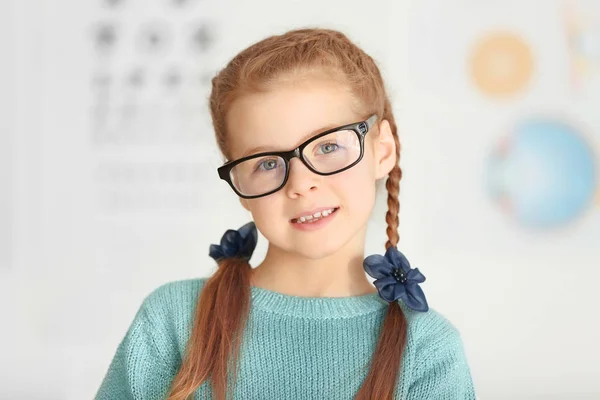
293,348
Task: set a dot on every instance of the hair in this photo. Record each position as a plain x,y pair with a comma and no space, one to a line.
223,305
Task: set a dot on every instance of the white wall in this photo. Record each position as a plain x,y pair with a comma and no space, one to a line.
75,261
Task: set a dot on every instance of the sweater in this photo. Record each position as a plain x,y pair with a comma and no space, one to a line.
293,348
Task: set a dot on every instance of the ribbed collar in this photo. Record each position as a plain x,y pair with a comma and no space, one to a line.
315,307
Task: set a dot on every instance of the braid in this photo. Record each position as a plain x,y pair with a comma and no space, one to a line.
392,185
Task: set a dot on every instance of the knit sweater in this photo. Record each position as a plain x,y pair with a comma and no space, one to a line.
293,348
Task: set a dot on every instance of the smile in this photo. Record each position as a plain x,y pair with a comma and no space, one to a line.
310,219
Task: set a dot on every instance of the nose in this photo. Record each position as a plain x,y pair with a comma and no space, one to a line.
301,180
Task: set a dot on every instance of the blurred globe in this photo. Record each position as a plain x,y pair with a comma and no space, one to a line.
543,173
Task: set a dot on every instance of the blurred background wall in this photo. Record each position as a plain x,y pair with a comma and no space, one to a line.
108,185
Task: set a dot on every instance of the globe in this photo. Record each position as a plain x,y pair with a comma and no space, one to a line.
543,173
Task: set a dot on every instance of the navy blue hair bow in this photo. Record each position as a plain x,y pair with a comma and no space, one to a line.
238,244
395,279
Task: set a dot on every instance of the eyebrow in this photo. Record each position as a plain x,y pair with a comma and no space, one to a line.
260,149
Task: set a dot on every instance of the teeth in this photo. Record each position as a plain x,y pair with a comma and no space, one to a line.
316,216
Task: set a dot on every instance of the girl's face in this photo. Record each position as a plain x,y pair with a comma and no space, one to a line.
280,120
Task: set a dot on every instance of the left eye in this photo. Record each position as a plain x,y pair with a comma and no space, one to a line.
327,148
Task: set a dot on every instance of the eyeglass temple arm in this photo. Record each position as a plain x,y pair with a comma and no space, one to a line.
371,121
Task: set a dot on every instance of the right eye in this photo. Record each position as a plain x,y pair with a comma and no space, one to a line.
267,164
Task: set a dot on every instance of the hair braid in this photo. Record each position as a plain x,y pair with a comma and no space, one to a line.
392,185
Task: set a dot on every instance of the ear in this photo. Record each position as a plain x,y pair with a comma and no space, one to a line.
384,150
244,203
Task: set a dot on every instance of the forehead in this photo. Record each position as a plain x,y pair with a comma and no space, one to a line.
285,116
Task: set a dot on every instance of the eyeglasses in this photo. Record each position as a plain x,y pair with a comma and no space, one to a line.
326,153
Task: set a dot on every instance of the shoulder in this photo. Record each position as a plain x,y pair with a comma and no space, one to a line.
438,363
172,299
169,308
433,338
151,351
174,294
430,328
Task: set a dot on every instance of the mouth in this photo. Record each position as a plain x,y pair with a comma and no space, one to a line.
312,218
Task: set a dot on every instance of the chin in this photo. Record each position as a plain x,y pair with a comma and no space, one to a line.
317,250
315,254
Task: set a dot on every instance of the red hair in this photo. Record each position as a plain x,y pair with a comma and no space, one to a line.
213,348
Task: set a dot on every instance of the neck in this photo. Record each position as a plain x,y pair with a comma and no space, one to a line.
338,275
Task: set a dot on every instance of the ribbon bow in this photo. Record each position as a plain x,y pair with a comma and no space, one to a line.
395,279
238,244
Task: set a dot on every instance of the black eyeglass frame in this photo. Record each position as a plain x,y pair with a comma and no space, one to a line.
360,128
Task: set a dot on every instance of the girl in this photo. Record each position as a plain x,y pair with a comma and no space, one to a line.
308,131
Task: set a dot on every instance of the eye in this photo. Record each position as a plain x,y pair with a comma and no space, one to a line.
329,147
267,164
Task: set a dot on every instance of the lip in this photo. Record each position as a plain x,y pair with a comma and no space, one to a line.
312,212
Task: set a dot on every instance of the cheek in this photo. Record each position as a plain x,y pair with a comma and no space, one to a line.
264,210
357,186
